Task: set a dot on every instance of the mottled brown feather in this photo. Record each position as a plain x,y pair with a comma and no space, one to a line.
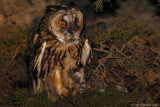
59,59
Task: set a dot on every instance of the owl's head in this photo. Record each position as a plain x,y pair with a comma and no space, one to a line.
65,22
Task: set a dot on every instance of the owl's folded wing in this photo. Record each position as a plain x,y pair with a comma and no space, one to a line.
86,53
36,58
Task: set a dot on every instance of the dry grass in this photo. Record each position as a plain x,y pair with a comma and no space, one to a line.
128,58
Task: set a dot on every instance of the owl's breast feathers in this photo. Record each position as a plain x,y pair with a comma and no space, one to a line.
49,53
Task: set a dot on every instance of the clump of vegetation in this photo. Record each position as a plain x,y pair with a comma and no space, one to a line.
11,45
119,31
110,96
91,98
129,57
99,4
13,60
22,97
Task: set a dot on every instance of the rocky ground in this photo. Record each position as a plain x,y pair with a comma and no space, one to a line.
125,39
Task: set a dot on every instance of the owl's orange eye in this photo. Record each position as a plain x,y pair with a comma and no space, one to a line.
62,23
77,21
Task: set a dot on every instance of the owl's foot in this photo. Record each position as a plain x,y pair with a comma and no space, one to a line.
53,95
39,87
65,92
62,91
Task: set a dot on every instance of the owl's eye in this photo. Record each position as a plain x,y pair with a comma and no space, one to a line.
76,20
62,23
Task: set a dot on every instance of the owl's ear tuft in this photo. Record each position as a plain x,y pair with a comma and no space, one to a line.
71,4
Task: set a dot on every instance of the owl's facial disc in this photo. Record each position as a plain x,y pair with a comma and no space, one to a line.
67,25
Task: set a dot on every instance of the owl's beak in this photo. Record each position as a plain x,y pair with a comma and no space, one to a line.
72,29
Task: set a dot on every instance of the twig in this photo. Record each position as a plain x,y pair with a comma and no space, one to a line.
13,57
15,53
119,51
102,61
122,83
101,50
109,74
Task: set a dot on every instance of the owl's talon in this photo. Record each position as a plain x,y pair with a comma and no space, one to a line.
65,92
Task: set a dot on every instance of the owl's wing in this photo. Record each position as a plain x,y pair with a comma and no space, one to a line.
37,55
86,53
35,38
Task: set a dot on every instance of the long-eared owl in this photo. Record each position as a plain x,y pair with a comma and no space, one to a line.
60,52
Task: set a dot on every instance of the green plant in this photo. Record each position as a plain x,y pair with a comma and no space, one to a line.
99,4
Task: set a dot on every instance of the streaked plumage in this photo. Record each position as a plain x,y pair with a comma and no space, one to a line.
61,51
